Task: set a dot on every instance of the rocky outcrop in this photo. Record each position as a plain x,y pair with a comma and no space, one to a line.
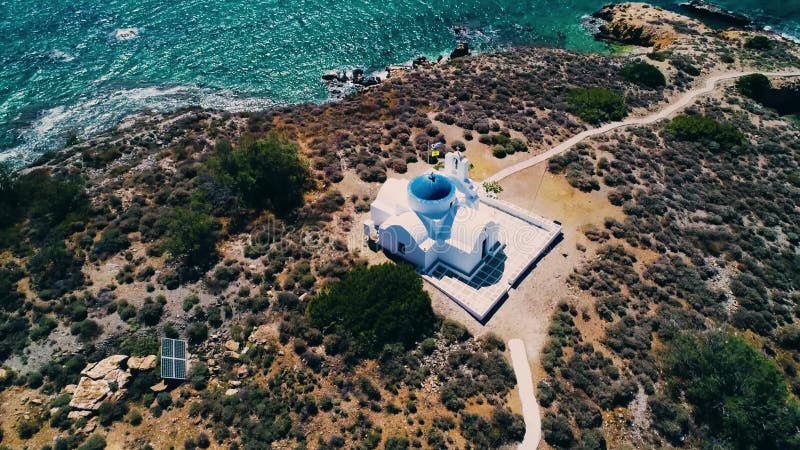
263,334
635,24
89,394
107,369
714,12
461,50
100,381
142,363
340,83
232,345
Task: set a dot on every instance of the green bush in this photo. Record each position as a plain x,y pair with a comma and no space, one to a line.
737,392
198,375
758,43
95,442
56,270
125,310
557,430
164,400
150,313
109,412
135,417
111,242
396,443
644,74
375,306
596,104
700,128
27,428
86,330
266,174
498,151
10,297
190,238
754,86
197,333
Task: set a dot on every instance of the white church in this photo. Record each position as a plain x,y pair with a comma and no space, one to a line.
435,216
470,246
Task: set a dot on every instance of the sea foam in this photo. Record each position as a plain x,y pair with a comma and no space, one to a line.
126,34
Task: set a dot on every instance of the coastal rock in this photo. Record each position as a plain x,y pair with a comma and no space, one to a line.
634,24
420,62
461,50
142,363
371,81
394,70
358,76
711,11
89,394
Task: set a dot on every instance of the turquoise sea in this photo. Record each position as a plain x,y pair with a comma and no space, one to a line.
79,66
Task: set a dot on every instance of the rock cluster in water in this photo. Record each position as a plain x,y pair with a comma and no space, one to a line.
714,12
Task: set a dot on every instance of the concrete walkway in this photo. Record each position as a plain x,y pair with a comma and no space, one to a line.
530,408
682,102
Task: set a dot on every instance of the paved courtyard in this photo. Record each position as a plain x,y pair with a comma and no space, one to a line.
524,239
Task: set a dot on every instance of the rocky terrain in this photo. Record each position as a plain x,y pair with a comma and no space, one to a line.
173,225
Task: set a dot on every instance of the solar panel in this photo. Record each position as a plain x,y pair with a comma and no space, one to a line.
173,359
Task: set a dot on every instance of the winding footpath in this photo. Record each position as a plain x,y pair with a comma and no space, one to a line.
684,101
519,357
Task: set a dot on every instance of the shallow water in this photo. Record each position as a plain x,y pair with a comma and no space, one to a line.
81,65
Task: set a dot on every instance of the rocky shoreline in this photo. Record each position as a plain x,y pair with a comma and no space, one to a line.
342,82
711,11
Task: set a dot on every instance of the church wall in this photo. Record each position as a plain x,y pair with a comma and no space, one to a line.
390,237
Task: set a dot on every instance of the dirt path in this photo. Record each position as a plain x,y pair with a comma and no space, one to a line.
683,101
530,408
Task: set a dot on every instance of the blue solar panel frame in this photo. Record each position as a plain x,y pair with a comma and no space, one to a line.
173,359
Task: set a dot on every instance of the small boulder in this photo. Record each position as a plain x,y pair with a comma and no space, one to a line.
263,334
90,426
159,387
78,414
109,369
231,392
143,363
232,345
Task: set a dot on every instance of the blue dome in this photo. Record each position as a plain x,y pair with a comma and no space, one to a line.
431,187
